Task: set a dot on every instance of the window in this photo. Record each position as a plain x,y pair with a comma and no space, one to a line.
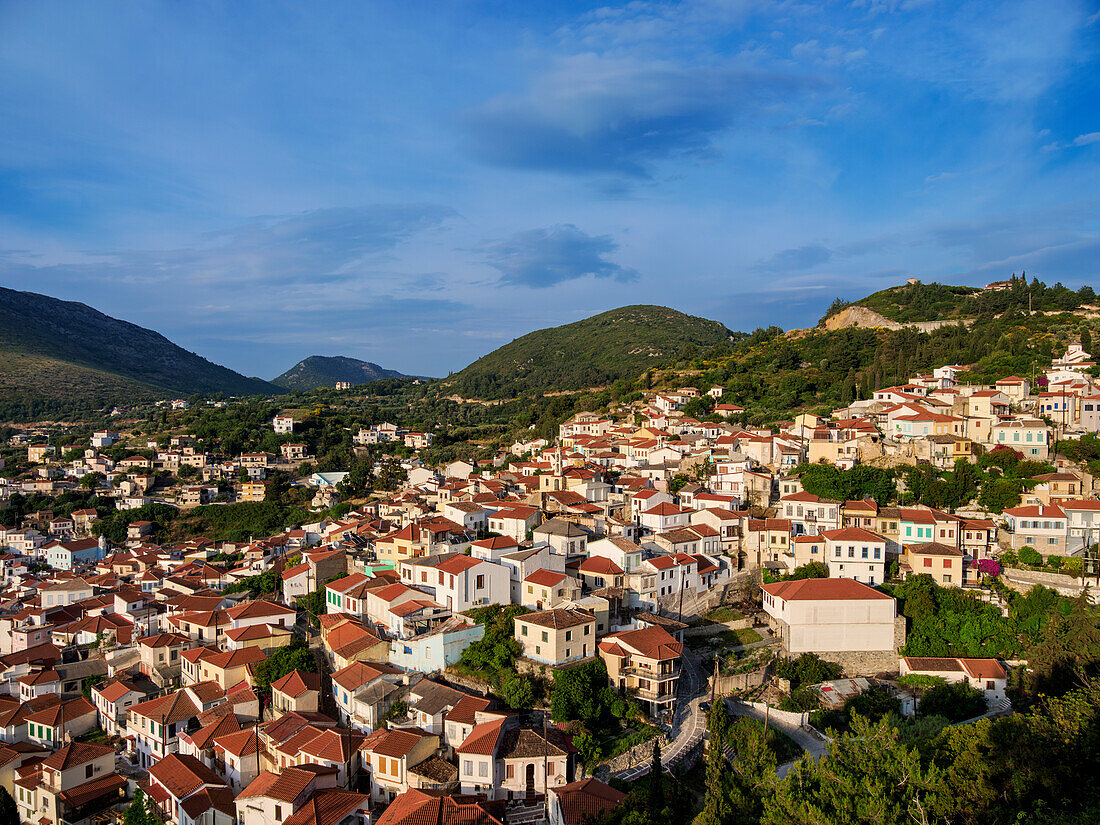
545,636
523,630
278,812
88,772
467,767
928,562
510,771
569,635
480,582
864,552
395,768
482,768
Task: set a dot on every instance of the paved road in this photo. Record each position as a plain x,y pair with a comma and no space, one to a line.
688,721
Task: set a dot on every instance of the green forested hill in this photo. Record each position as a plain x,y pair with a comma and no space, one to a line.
324,371
936,302
620,343
62,357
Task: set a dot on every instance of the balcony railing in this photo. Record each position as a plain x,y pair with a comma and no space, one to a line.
657,675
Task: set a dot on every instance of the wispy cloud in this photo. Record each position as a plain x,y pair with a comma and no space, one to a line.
795,259
544,257
621,115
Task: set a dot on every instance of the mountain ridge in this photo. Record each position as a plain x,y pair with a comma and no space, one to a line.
66,354
325,370
617,344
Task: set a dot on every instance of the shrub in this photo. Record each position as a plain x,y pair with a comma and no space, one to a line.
956,703
1030,556
807,669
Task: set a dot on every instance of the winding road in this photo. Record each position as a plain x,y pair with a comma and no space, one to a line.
689,720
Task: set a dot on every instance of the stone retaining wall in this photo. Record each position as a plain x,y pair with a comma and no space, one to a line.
543,669
467,682
638,755
1023,580
862,662
733,682
714,628
789,716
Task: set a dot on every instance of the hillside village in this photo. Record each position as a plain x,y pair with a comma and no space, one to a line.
406,657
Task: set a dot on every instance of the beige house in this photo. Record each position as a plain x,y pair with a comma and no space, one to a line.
391,755
830,615
297,691
944,563
76,781
557,636
646,662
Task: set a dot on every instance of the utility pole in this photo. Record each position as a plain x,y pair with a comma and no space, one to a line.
545,769
683,584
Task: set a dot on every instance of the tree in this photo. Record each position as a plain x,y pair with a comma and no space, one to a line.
807,669
138,812
89,481
866,777
810,570
518,691
295,656
955,702
9,811
656,782
578,692
1029,555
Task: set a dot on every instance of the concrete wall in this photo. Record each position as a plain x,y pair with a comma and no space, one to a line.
1024,580
734,682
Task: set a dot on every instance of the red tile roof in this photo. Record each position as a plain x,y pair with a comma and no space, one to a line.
823,590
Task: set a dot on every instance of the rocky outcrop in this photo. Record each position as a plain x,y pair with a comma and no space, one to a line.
860,316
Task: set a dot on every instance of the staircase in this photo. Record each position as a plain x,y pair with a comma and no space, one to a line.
521,813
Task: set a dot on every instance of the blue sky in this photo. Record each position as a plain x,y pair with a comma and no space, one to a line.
418,183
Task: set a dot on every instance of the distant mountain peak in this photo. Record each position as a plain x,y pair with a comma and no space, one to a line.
326,370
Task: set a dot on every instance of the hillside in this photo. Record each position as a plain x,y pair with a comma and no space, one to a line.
618,344
887,337
324,371
920,302
65,357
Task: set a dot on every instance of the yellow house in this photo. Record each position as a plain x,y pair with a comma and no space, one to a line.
557,636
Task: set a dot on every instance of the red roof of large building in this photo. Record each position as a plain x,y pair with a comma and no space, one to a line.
822,590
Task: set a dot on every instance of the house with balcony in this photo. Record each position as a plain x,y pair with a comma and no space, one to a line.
72,785
646,662
810,514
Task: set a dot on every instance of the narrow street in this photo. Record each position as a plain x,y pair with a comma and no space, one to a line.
689,721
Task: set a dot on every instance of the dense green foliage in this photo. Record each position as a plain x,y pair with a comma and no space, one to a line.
933,301
955,702
621,343
295,656
860,482
139,811
497,650
807,669
324,371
